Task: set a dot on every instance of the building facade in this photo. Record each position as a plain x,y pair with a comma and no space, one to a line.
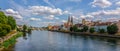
118,25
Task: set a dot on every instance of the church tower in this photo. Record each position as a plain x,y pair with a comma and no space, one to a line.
71,20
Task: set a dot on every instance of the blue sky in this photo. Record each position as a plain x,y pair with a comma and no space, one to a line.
43,12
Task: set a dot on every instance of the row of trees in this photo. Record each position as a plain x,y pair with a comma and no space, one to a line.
25,29
111,29
7,23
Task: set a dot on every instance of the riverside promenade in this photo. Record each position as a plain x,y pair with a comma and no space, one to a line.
5,38
88,34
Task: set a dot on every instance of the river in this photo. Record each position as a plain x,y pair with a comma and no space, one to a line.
56,41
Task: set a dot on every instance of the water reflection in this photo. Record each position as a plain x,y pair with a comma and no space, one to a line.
26,35
54,41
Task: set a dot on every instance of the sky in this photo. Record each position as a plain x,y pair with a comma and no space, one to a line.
40,13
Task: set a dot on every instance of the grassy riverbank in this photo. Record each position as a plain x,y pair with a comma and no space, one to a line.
10,41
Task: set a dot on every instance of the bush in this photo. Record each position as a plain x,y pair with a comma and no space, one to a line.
71,28
92,30
4,29
29,29
7,28
24,27
75,28
12,22
112,29
101,30
85,28
6,24
3,33
18,29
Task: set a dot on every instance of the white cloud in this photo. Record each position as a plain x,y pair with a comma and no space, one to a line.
101,3
50,17
75,18
35,19
115,12
86,16
103,15
63,21
82,16
118,3
66,12
44,10
11,12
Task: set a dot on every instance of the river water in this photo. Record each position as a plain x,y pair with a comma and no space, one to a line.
56,41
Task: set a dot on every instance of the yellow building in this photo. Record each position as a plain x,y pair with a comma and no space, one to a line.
49,27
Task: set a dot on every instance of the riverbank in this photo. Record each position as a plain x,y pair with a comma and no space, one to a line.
9,40
89,34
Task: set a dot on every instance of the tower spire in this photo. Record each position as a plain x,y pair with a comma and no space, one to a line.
71,20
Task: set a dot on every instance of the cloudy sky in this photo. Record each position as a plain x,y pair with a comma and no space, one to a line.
43,12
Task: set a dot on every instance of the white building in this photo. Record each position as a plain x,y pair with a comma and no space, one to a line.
118,24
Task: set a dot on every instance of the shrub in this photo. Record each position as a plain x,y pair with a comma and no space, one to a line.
29,29
71,28
92,30
85,28
78,30
101,30
7,28
18,29
12,22
112,29
3,33
24,27
75,28
4,29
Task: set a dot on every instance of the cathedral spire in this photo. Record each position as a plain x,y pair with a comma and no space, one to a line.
71,20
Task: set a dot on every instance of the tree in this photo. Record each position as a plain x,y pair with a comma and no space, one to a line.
75,28
29,30
92,30
71,28
24,27
112,29
101,30
6,24
3,18
85,28
12,22
4,29
7,28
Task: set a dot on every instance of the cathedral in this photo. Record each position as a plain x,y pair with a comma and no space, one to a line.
69,23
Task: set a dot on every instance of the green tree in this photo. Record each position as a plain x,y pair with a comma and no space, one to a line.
92,30
12,22
101,30
3,18
85,28
24,27
3,33
75,28
6,24
7,28
18,29
112,29
4,29
71,28
29,30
